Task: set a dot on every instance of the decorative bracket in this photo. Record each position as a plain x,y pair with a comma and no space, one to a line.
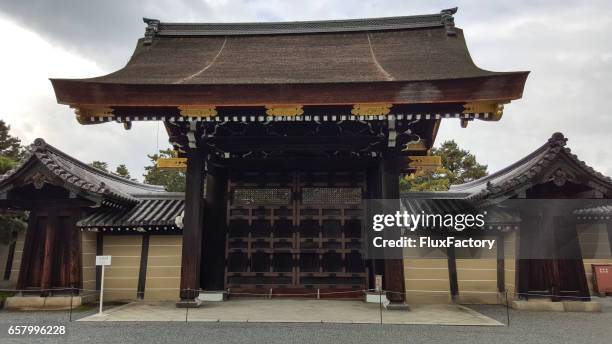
417,145
495,110
83,113
198,111
38,180
392,133
371,109
284,110
425,162
559,178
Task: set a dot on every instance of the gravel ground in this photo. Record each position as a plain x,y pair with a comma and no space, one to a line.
525,327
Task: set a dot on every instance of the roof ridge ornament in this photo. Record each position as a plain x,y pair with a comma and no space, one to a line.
151,30
557,140
448,20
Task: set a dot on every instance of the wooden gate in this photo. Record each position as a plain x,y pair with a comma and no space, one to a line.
295,232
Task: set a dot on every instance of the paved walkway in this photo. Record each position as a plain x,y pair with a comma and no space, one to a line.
292,311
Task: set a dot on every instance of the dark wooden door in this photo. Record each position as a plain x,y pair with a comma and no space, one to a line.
290,230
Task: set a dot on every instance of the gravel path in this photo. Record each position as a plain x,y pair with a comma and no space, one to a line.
525,327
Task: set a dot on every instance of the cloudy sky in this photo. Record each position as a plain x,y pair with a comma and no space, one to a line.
565,44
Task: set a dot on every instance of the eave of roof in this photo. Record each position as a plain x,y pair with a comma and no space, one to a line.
151,212
500,88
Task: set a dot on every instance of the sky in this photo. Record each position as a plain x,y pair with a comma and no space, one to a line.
566,45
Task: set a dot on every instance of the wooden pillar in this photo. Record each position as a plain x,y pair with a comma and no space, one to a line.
192,225
75,254
26,254
49,247
501,265
142,273
9,261
99,252
394,267
452,273
609,224
214,234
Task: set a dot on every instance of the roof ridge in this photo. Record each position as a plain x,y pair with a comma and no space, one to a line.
552,142
444,18
551,150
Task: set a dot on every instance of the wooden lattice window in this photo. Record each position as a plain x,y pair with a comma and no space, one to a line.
331,196
261,196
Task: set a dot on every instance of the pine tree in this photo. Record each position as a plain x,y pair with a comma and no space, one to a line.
122,171
10,146
100,165
458,166
11,153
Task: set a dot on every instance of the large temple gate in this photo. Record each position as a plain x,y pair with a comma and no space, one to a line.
293,100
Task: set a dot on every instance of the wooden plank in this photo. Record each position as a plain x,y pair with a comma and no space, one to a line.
142,273
192,231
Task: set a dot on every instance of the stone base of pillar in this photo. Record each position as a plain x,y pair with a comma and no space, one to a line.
397,306
188,304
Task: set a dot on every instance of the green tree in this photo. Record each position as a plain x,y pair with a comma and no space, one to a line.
101,165
11,152
6,164
10,146
458,166
122,171
172,180
9,226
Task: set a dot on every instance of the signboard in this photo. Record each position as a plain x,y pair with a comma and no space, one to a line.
172,163
103,260
378,283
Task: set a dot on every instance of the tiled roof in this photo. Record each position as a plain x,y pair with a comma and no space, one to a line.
160,212
412,48
82,176
524,171
600,210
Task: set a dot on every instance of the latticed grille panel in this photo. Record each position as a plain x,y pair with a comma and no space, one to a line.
331,196
261,196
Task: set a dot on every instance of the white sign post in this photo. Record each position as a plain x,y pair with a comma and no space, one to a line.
102,261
